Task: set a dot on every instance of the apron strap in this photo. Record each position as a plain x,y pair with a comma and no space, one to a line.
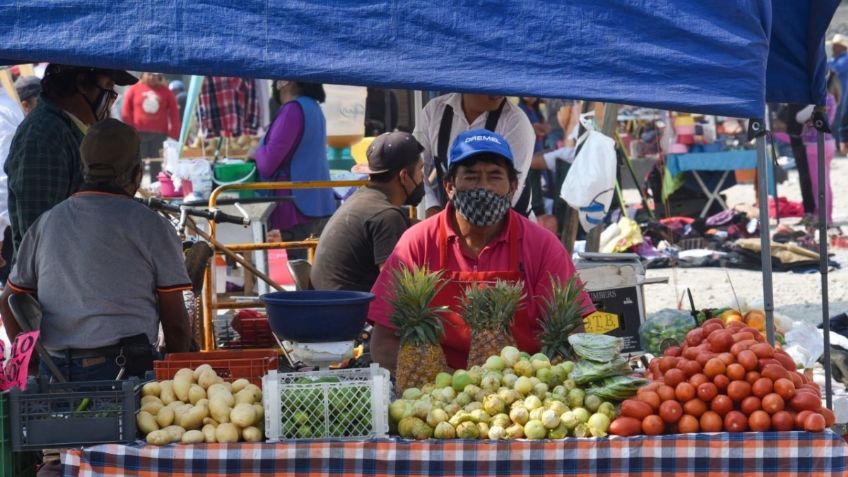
513,240
443,242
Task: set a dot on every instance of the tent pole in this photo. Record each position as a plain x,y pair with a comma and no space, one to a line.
756,127
821,125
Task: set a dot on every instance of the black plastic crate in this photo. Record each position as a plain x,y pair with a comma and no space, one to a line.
73,414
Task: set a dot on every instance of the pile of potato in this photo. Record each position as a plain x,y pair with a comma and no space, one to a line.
198,406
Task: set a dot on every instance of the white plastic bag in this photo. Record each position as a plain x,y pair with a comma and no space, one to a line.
590,183
804,343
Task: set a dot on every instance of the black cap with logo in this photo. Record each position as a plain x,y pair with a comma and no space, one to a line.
389,152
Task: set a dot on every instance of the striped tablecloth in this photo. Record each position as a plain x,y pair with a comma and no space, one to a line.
746,455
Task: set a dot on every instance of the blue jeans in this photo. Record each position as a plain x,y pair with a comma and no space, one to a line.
83,369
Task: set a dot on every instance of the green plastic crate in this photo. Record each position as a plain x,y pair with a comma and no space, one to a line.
12,463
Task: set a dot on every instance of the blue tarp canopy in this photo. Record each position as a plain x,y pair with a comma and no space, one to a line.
796,63
707,56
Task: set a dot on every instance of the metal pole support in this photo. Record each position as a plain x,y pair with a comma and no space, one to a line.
820,123
757,130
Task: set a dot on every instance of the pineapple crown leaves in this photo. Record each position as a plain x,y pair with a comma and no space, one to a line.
416,321
492,307
562,314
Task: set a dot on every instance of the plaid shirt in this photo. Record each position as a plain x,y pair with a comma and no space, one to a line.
43,165
228,107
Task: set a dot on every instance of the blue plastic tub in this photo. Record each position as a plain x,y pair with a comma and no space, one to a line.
314,316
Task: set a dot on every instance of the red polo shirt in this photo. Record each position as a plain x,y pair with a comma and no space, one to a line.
541,255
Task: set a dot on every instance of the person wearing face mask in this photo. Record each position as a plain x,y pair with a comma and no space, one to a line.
295,149
361,235
445,117
477,238
43,166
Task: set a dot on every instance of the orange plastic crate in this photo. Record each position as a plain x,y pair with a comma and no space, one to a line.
230,364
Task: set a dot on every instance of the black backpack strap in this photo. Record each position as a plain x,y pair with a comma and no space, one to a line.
440,161
494,117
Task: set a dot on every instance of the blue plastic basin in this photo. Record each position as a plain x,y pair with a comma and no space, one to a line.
314,316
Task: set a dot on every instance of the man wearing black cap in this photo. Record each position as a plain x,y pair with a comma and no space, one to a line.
361,235
44,161
104,267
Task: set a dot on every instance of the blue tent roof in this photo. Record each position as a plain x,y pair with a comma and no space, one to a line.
796,63
705,56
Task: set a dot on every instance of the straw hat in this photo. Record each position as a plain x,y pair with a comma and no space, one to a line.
839,39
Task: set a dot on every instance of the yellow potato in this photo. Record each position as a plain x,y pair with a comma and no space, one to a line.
167,394
239,384
243,415
151,389
251,434
209,433
193,437
219,410
208,378
165,417
200,369
182,383
146,422
152,407
193,419
245,396
159,438
196,393
226,433
176,432
150,399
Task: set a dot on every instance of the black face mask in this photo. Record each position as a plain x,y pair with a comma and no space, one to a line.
414,198
100,107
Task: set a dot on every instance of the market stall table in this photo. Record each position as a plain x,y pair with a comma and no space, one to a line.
725,161
754,454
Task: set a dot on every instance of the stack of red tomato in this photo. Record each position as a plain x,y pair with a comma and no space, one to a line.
723,379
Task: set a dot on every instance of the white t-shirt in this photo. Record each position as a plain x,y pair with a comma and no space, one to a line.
11,116
512,125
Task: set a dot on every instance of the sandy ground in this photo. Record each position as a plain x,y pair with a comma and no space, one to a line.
797,296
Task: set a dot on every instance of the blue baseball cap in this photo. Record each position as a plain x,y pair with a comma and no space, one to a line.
479,141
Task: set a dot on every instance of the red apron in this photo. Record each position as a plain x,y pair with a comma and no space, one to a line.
457,334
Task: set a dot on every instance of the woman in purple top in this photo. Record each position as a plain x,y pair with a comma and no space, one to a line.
295,149
809,137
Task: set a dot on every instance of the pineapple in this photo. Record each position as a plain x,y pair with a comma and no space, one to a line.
562,315
419,327
488,311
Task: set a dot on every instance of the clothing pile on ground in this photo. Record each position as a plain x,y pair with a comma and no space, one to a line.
727,239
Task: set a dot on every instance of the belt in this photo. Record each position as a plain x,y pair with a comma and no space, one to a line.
112,350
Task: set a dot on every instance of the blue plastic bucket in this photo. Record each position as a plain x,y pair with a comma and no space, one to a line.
315,316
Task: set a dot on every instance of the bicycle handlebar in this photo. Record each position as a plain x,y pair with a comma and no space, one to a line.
214,214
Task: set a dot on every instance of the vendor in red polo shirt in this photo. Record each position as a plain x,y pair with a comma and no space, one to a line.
476,238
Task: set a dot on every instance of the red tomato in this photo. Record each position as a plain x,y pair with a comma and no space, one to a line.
688,424
707,391
785,388
815,422
671,411
747,359
735,421
653,425
738,390
695,407
735,372
711,422
721,381
721,405
759,421
762,387
674,376
750,404
782,421
714,367
773,403
684,392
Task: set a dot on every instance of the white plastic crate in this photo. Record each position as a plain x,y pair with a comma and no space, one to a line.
308,405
